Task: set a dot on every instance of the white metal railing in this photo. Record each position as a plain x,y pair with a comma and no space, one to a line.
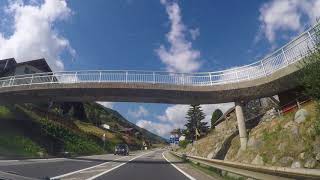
292,52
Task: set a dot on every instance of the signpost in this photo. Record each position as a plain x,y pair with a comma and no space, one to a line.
104,140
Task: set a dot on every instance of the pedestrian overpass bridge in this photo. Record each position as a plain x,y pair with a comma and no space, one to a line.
264,78
267,77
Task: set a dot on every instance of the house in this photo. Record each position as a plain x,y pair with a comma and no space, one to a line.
105,126
9,67
182,138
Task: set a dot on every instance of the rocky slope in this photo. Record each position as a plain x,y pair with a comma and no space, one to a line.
289,140
217,142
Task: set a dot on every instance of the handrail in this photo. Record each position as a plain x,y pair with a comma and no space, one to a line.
292,52
255,171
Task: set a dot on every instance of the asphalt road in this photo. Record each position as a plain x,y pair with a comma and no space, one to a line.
139,165
151,166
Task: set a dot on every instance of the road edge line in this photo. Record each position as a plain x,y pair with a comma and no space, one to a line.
105,172
80,170
180,170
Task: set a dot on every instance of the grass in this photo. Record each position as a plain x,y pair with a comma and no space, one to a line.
5,113
91,129
15,145
111,139
75,142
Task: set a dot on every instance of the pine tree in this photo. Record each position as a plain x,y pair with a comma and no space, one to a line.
194,117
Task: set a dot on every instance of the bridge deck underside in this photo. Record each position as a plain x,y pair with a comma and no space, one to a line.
153,93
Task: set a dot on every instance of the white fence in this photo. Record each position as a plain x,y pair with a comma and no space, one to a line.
292,52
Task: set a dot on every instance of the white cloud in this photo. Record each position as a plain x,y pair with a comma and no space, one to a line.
287,15
157,128
140,112
180,57
33,33
208,109
175,117
194,33
106,104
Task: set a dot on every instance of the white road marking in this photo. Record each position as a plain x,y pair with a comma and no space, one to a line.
105,172
7,161
78,171
49,159
184,173
33,160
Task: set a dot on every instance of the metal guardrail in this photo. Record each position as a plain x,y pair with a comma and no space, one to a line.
255,171
292,52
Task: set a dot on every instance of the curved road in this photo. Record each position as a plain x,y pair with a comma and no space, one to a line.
139,165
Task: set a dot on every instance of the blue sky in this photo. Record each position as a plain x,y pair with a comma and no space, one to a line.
175,35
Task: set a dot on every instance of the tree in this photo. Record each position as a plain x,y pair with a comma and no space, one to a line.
215,116
177,131
309,78
194,117
310,75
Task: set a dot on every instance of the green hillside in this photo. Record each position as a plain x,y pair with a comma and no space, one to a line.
39,130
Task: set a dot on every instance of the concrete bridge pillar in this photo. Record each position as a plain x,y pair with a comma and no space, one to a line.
241,126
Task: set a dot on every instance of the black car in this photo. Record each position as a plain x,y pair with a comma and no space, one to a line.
121,149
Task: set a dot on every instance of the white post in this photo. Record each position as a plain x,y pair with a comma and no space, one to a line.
210,78
126,76
52,77
12,82
182,79
312,40
284,56
31,79
75,77
264,68
154,77
241,126
237,76
100,76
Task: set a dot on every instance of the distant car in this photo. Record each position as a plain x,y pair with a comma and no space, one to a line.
121,149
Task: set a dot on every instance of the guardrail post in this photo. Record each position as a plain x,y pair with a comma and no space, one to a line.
52,77
285,57
75,77
182,79
264,68
12,82
31,80
154,77
237,76
210,78
100,76
126,76
312,40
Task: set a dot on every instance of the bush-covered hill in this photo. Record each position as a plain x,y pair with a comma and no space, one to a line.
38,130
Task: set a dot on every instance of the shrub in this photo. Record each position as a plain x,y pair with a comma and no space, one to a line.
215,116
5,112
183,144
